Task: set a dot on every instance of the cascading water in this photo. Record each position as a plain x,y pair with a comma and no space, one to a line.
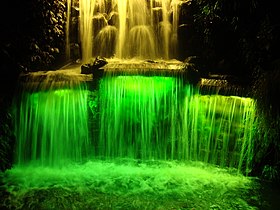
138,132
160,118
128,28
51,118
131,135
137,117
133,116
140,117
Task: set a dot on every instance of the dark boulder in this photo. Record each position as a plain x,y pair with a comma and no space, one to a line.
93,67
191,73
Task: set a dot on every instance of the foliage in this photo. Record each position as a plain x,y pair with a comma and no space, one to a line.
243,33
266,90
6,141
207,14
36,39
47,40
270,173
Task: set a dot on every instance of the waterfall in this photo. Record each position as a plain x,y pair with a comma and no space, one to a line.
131,112
138,29
51,121
219,130
86,28
67,38
139,117
161,118
136,132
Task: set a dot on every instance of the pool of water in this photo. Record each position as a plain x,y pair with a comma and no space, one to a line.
130,184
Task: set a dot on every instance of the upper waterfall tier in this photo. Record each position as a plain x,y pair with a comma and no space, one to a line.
129,28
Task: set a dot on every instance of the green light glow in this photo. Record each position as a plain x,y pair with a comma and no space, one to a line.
138,117
219,130
132,142
52,127
134,184
142,84
137,113
159,118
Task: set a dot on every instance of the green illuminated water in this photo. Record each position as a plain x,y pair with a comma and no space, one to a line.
160,118
52,127
219,130
128,184
136,117
128,142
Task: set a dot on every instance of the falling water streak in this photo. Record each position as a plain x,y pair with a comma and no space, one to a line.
165,29
122,8
144,42
219,130
247,147
141,36
140,25
194,120
105,41
67,39
213,106
51,124
234,111
147,125
174,36
221,134
151,14
133,117
86,28
174,127
141,117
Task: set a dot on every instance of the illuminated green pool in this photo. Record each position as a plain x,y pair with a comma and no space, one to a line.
129,184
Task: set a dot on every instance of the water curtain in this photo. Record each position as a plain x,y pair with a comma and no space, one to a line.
128,28
133,116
